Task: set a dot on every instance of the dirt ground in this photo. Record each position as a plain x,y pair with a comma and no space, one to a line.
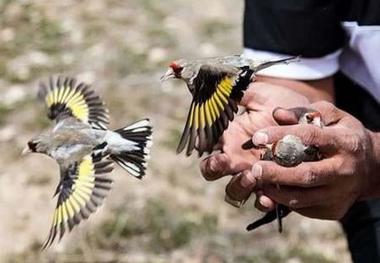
173,215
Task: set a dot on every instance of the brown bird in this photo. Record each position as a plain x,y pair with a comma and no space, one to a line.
217,85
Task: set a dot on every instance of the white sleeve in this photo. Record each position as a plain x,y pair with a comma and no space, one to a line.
305,69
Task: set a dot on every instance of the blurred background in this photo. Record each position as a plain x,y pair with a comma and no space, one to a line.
122,47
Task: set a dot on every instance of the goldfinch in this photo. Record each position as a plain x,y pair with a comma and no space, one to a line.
217,85
85,150
289,152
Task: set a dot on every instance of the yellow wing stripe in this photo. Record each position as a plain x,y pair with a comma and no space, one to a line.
79,199
69,208
202,116
65,94
74,204
221,96
86,168
61,216
208,113
74,100
196,114
82,189
210,110
225,86
55,218
70,94
214,107
218,102
191,114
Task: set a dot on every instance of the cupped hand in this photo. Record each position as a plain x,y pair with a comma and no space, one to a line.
324,189
259,101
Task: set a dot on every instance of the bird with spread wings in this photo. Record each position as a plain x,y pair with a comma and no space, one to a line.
217,85
85,150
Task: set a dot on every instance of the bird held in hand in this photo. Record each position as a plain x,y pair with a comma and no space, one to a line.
217,85
289,152
85,150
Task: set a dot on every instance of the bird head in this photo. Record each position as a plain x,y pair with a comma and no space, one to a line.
36,145
312,117
180,69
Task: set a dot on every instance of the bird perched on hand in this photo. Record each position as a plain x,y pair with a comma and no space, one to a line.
85,150
289,152
217,85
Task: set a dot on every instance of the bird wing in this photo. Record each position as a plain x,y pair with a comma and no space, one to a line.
65,98
82,188
216,91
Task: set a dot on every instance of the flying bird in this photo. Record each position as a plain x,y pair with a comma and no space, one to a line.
85,150
289,151
217,85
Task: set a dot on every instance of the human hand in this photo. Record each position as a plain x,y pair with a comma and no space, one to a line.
259,100
324,189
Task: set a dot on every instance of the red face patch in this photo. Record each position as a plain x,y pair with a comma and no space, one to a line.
176,68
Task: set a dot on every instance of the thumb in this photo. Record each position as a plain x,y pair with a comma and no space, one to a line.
289,116
285,116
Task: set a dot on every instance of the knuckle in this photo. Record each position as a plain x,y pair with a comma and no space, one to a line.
310,135
328,107
348,170
294,204
272,176
353,143
310,177
338,164
264,171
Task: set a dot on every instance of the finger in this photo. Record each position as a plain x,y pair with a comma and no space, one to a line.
324,138
306,174
264,203
295,197
251,98
330,113
288,116
216,166
241,186
321,212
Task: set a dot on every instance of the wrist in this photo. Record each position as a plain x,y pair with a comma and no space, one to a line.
373,190
314,90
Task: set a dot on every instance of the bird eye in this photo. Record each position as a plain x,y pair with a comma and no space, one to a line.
32,146
309,118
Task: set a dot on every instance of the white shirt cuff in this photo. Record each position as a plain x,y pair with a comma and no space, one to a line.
305,69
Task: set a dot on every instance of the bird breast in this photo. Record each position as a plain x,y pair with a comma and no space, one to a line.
289,151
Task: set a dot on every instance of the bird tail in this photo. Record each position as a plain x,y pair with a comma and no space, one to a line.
268,64
134,162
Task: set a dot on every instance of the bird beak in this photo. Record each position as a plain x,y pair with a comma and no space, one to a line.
25,151
168,75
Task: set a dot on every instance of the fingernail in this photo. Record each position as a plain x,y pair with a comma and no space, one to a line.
247,180
260,138
257,171
213,165
264,201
